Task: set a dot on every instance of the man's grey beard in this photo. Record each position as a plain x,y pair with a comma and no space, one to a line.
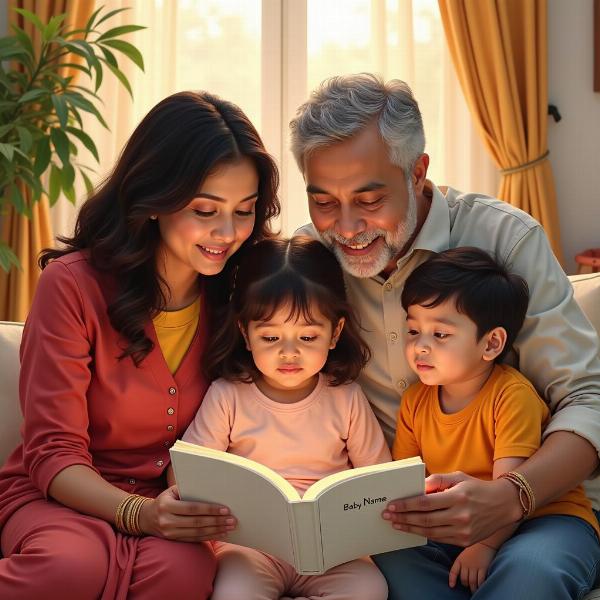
375,262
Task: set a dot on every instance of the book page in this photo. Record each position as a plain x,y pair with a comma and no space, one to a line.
350,511
260,506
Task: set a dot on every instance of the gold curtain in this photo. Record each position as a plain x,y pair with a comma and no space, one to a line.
28,236
499,50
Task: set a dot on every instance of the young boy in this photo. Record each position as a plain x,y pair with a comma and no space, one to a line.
469,412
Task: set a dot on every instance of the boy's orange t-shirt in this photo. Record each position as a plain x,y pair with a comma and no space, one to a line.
506,419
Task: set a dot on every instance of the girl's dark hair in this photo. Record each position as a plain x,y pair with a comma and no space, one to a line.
184,138
300,272
482,289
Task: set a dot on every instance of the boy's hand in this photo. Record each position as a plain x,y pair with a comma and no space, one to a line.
472,565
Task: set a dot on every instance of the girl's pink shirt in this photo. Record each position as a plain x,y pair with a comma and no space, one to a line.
331,430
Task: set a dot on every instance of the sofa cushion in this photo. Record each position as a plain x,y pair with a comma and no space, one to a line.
587,294
10,421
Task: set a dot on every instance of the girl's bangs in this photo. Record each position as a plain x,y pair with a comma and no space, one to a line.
264,298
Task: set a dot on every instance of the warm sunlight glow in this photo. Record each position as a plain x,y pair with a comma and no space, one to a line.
219,50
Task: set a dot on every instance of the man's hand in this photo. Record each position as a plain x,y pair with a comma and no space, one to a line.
471,566
457,509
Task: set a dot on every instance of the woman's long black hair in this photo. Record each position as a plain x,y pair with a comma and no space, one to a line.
170,153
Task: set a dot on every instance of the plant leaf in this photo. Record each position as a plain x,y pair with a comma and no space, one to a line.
129,50
118,31
54,187
86,140
42,156
121,77
78,100
7,150
61,145
8,258
53,24
4,129
32,95
83,68
67,176
34,184
69,193
29,16
110,14
89,186
88,52
89,25
25,138
24,40
60,106
110,57
17,200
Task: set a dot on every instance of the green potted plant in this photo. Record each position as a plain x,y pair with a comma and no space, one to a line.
41,106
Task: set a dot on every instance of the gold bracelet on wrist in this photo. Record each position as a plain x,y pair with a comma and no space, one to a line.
526,496
127,515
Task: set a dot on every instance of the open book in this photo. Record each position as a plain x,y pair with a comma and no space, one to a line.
338,519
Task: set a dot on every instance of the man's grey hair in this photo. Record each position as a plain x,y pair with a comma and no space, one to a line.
342,106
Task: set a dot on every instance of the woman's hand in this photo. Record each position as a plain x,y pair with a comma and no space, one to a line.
457,509
169,517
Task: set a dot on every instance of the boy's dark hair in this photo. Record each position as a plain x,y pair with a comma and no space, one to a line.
299,271
482,289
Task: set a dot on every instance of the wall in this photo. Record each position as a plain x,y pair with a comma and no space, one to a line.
574,142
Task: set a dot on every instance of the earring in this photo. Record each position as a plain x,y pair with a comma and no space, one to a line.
154,217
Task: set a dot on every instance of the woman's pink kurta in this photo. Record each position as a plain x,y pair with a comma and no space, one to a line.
82,405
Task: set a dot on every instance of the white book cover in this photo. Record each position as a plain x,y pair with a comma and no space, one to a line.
338,519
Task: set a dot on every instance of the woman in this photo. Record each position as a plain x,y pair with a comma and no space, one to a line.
111,363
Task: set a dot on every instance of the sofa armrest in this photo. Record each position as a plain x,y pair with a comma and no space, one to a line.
10,420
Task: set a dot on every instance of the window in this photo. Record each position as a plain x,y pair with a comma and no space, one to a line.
266,55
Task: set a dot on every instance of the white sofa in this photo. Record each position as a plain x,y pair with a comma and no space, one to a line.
587,293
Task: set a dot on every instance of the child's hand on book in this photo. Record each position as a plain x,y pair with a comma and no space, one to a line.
471,566
169,517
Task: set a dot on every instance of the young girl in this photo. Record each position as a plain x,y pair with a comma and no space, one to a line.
287,356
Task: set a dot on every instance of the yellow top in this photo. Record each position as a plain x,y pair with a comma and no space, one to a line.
175,330
506,419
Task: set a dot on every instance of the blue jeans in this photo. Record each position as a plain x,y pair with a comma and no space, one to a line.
554,557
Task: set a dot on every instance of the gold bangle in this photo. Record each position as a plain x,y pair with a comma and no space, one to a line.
136,510
526,496
119,513
528,490
127,515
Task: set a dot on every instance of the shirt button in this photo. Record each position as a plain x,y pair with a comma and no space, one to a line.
170,410
393,336
401,384
388,286
172,391
160,463
131,481
170,427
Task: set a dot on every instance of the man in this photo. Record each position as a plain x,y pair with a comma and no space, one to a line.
359,143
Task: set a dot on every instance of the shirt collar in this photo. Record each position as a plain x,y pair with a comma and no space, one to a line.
435,232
